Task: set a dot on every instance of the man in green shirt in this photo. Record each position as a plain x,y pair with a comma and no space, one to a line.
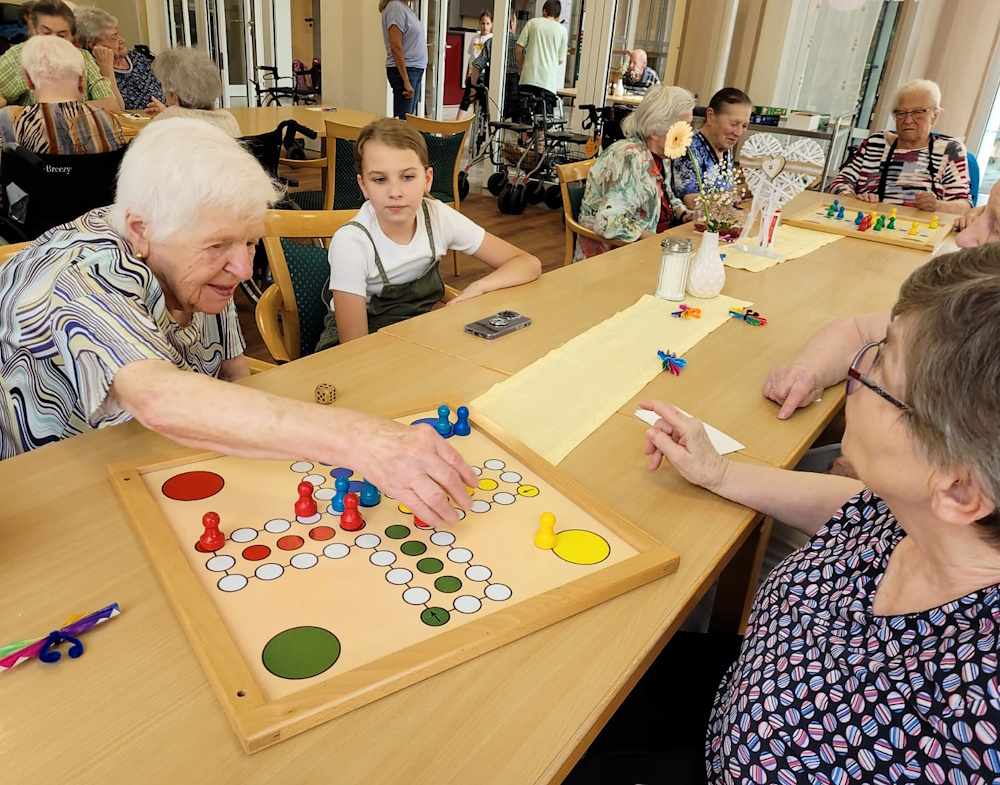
53,17
541,55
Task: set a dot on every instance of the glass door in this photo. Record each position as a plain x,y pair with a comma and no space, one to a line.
434,17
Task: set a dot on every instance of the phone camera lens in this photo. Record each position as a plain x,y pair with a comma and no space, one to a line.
508,314
498,321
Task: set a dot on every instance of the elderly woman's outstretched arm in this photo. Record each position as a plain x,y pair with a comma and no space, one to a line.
411,464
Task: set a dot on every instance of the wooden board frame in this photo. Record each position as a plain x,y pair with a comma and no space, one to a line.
260,723
806,220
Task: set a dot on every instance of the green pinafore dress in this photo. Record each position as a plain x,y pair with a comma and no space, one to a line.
396,301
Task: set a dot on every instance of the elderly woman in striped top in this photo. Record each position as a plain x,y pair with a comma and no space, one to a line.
913,166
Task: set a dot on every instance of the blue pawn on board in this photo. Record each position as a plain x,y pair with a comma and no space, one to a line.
462,425
840,213
443,424
836,203
857,221
370,495
342,485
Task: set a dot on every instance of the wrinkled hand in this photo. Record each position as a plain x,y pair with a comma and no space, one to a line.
414,466
682,440
688,217
926,201
842,467
791,386
867,197
105,58
155,106
964,221
407,90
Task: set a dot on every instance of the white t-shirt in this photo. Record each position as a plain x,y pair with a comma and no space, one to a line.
352,260
476,45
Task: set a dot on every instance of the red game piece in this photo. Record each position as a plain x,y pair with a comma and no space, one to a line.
420,524
866,224
305,507
212,539
350,518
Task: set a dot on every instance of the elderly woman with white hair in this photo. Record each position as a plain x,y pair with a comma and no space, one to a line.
97,32
628,195
913,166
128,312
60,122
192,84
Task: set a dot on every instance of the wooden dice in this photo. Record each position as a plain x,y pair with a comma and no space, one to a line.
326,393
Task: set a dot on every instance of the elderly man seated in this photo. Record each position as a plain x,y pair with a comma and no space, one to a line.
913,166
639,77
61,122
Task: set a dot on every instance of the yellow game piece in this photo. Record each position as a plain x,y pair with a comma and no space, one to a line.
913,229
545,537
934,223
893,213
872,216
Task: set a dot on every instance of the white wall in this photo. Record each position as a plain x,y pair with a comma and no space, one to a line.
353,56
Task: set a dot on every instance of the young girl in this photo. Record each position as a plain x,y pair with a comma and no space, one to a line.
476,46
384,263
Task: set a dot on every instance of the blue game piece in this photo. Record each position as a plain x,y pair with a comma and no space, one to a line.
840,213
370,495
462,427
443,424
857,221
342,484
836,203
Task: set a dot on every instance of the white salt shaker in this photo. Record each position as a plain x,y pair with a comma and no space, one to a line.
675,259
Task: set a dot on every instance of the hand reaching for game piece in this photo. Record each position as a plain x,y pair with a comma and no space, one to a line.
415,466
683,441
792,387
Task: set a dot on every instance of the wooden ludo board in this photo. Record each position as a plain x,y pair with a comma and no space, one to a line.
296,623
926,239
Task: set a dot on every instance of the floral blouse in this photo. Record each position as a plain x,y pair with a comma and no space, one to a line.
622,198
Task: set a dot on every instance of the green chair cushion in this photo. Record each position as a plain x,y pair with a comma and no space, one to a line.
575,191
308,200
309,269
444,153
346,192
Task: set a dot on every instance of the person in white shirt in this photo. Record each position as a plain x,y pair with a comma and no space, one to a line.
476,46
384,263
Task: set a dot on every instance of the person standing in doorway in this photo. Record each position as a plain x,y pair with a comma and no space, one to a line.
541,55
406,55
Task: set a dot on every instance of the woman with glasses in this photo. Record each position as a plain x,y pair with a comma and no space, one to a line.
870,654
913,166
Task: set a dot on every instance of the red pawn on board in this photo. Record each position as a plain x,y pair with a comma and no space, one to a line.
420,524
305,507
212,538
350,518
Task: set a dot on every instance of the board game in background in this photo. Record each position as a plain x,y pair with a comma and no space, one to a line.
897,222
297,620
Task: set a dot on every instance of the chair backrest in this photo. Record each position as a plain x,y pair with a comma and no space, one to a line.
40,191
343,191
301,271
445,142
573,182
973,176
7,251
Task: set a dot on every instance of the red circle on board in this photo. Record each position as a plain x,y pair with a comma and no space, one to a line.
321,533
192,486
290,543
256,552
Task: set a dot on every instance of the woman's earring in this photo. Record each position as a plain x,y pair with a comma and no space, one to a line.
138,254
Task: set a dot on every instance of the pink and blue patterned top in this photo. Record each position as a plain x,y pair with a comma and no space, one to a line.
825,691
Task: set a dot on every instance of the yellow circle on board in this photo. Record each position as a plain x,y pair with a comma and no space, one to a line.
487,484
527,490
581,547
404,509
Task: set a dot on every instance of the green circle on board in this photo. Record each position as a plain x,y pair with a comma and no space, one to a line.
301,652
430,566
397,532
413,548
434,617
447,583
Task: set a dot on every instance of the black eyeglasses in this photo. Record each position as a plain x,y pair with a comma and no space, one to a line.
863,364
916,114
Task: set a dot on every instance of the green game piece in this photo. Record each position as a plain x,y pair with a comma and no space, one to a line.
430,566
397,532
880,223
413,548
434,617
448,584
892,222
301,652
831,212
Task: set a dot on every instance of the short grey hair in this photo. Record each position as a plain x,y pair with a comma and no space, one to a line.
49,58
191,75
919,86
91,23
176,170
662,106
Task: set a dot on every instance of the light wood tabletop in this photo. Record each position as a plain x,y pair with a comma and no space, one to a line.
137,705
259,120
726,370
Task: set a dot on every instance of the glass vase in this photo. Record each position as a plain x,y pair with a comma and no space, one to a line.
707,275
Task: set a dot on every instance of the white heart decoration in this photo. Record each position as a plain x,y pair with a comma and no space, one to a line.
772,166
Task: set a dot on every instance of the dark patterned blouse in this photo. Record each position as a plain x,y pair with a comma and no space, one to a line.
137,83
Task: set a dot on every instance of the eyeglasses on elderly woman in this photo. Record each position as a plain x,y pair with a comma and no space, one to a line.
858,374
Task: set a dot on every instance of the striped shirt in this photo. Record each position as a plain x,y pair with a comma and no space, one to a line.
75,307
941,168
63,128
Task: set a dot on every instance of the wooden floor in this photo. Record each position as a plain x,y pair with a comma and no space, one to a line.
538,230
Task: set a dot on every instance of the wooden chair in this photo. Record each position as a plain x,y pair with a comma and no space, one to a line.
572,183
291,312
342,189
7,251
445,143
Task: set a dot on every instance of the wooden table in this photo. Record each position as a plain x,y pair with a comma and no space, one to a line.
570,96
259,120
138,706
797,297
